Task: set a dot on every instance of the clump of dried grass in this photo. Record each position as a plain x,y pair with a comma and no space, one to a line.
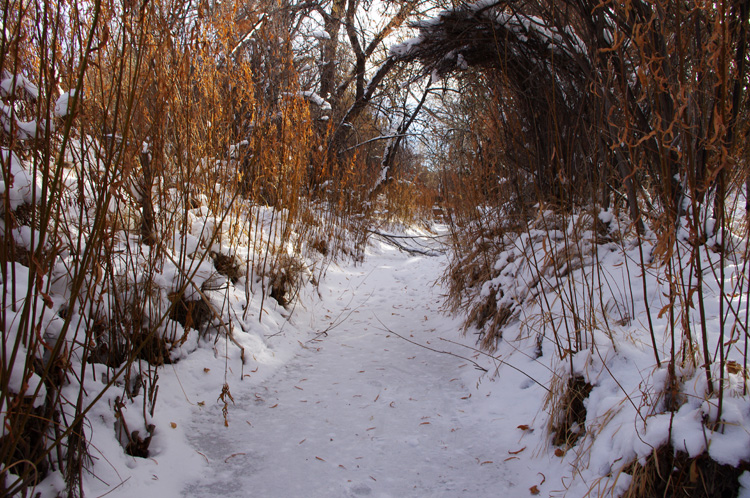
191,314
133,442
567,422
286,278
228,265
667,472
499,267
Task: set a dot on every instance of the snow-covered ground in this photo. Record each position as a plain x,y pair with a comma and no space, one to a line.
369,389
354,411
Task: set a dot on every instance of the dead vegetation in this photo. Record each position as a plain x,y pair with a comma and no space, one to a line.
158,163
667,472
578,138
568,421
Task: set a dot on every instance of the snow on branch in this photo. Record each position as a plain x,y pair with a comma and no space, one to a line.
316,99
11,83
479,34
246,39
321,34
313,97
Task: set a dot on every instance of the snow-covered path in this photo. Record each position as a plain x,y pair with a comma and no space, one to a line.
361,411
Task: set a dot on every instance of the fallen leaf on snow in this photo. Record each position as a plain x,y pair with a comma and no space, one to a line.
232,456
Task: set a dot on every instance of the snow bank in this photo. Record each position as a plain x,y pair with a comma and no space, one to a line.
570,294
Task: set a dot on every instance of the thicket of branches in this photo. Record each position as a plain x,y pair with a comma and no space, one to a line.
162,160
221,144
594,98
587,128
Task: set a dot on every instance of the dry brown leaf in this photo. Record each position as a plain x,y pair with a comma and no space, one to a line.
232,456
694,471
664,310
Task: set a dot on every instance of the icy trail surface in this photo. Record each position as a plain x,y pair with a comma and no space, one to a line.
360,411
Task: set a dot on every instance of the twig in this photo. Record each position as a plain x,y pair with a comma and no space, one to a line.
411,250
336,322
476,365
502,362
414,237
111,490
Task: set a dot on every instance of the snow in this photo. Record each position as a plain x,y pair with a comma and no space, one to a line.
342,392
62,104
11,83
316,99
404,49
25,189
438,30
368,388
234,150
483,4
336,395
321,34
